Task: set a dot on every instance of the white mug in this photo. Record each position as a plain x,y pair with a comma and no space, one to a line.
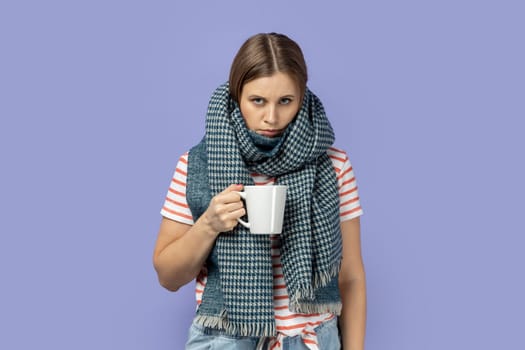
265,208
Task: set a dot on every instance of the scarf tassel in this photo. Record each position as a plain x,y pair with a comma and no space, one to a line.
242,329
322,278
307,308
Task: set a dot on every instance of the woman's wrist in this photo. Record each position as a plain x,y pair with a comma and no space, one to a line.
204,225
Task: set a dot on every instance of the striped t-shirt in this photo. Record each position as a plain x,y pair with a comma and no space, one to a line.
288,324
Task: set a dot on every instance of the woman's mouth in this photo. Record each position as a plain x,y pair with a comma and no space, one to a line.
270,132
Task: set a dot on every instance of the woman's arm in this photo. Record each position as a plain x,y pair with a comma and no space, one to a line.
181,249
352,285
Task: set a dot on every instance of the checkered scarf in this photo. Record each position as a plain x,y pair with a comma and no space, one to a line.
310,241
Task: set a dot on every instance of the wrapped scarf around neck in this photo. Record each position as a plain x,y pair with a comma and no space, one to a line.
238,297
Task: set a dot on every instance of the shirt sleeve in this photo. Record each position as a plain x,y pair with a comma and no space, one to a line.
349,204
175,206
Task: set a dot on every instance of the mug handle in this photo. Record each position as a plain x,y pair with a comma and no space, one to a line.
244,223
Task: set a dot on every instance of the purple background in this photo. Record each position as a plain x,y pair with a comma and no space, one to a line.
99,98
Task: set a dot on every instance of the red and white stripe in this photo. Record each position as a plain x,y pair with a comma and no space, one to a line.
288,324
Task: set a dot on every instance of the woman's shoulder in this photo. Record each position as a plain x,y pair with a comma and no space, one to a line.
336,151
337,155
183,159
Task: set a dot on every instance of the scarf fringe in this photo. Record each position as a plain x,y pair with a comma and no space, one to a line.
306,308
302,293
322,278
238,329
304,302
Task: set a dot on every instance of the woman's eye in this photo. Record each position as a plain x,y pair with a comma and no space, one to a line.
285,101
258,101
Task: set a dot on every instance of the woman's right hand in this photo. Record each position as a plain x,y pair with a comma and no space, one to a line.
224,210
181,250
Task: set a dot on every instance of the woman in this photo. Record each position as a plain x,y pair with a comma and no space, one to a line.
257,291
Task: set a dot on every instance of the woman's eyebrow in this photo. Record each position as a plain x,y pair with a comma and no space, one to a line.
283,96
254,96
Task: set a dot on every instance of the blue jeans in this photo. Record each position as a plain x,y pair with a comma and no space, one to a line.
202,338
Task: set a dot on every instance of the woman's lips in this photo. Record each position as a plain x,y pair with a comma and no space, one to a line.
270,132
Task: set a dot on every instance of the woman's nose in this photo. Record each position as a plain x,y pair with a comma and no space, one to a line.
270,116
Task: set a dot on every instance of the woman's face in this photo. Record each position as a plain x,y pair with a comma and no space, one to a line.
269,104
